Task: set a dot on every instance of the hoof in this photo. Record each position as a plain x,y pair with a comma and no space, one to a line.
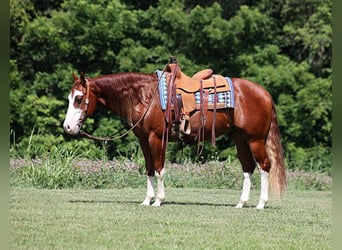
157,203
261,205
146,202
241,204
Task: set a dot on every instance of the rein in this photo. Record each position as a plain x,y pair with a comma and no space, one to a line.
115,136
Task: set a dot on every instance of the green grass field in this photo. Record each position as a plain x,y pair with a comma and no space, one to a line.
189,219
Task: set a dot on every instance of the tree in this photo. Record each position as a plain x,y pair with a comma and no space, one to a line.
308,34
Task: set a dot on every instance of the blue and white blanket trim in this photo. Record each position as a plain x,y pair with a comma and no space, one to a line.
223,97
162,88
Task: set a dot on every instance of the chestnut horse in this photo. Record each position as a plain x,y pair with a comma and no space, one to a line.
252,124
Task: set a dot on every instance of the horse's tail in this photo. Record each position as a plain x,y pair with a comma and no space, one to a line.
277,176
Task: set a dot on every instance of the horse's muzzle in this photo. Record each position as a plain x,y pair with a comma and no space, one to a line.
71,130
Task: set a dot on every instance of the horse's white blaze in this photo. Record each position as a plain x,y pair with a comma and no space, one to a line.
264,189
72,122
246,188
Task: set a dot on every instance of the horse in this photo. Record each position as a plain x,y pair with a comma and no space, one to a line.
252,124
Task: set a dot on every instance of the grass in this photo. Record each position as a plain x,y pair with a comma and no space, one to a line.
189,219
61,201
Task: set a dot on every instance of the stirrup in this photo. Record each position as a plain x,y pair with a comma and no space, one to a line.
185,125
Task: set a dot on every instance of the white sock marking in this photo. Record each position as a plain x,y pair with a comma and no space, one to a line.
160,188
246,188
149,192
264,189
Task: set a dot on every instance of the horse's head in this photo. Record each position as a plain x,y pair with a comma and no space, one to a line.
82,103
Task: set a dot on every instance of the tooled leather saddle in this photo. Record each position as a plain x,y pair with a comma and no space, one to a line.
184,95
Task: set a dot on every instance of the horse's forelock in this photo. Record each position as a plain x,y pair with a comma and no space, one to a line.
76,86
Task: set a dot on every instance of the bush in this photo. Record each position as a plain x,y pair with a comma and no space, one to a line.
313,159
65,168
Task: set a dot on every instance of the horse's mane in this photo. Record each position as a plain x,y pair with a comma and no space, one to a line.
126,91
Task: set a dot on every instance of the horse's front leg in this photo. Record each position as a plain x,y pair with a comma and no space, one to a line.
150,191
149,172
160,188
154,159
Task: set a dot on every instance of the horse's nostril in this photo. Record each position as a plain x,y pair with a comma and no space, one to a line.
66,127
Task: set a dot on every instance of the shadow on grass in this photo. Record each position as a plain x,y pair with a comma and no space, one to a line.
102,201
165,203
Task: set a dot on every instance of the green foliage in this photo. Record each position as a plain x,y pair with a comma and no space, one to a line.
46,176
283,45
55,170
317,158
308,35
21,12
64,168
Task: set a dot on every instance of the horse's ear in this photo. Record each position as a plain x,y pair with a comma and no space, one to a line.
74,76
83,80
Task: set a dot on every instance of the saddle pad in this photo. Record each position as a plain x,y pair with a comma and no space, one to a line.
225,99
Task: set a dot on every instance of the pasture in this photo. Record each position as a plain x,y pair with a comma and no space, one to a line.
190,218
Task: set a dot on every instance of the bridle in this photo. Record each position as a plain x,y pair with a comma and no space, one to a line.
86,102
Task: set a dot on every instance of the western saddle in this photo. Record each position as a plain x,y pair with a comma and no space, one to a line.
188,94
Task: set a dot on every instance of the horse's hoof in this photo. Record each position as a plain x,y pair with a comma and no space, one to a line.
241,204
146,202
261,205
157,203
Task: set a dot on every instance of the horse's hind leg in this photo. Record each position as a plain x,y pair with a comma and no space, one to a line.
264,165
248,165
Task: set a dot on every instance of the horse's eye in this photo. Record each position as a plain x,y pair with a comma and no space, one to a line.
78,99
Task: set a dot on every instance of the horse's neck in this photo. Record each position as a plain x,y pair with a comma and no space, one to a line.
123,94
